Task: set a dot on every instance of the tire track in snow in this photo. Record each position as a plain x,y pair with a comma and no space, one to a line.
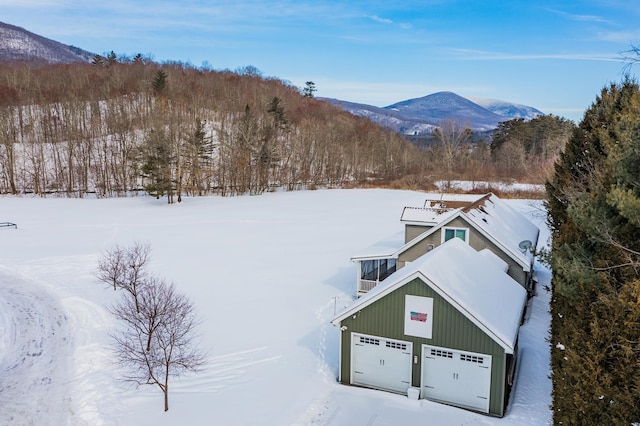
35,349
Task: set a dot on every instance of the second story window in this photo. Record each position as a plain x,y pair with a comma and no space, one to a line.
449,233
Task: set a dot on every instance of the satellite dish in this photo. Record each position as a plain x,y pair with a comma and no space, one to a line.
525,245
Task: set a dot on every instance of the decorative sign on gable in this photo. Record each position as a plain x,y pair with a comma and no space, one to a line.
418,316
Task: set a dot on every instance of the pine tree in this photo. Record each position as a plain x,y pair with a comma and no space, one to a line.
157,162
309,89
159,82
594,211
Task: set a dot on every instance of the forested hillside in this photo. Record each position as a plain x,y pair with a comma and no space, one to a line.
122,125
116,126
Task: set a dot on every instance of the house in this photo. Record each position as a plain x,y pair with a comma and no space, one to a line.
482,221
444,327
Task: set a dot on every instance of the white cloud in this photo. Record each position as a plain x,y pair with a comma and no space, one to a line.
379,19
482,55
582,18
386,21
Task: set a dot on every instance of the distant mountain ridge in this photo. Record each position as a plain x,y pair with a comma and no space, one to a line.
18,44
508,109
420,116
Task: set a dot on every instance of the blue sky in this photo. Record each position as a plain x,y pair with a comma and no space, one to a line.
553,55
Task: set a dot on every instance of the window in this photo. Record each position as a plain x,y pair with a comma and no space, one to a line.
377,270
394,345
472,358
449,233
441,353
387,267
369,270
369,341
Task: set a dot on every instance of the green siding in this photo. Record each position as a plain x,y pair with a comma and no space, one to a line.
385,318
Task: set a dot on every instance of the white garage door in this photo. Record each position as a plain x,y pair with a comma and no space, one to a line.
456,377
380,363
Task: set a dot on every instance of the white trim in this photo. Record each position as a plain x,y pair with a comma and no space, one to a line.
489,320
454,229
513,254
409,349
505,345
418,316
373,257
364,302
425,347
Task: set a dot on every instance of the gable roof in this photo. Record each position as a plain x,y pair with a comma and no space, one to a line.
498,222
474,290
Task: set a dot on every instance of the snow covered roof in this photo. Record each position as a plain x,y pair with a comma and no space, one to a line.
438,207
426,215
494,259
474,289
451,200
508,229
511,231
382,249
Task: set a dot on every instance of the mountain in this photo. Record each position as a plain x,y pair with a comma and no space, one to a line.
420,116
390,119
416,117
441,106
18,44
508,109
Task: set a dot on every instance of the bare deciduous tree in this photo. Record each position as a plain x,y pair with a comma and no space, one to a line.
452,137
158,340
125,268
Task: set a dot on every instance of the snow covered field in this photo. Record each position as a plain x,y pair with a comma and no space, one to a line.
266,275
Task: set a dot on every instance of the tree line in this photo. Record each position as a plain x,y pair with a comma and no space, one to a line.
122,125
113,127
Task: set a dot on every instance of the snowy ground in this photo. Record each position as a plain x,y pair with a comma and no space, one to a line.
266,274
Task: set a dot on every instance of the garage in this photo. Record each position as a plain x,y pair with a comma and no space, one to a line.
456,377
433,326
380,363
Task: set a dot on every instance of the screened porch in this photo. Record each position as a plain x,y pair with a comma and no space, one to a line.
372,271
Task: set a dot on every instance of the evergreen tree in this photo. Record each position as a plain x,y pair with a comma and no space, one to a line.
98,60
276,110
198,153
158,159
309,89
111,58
594,211
543,136
159,82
